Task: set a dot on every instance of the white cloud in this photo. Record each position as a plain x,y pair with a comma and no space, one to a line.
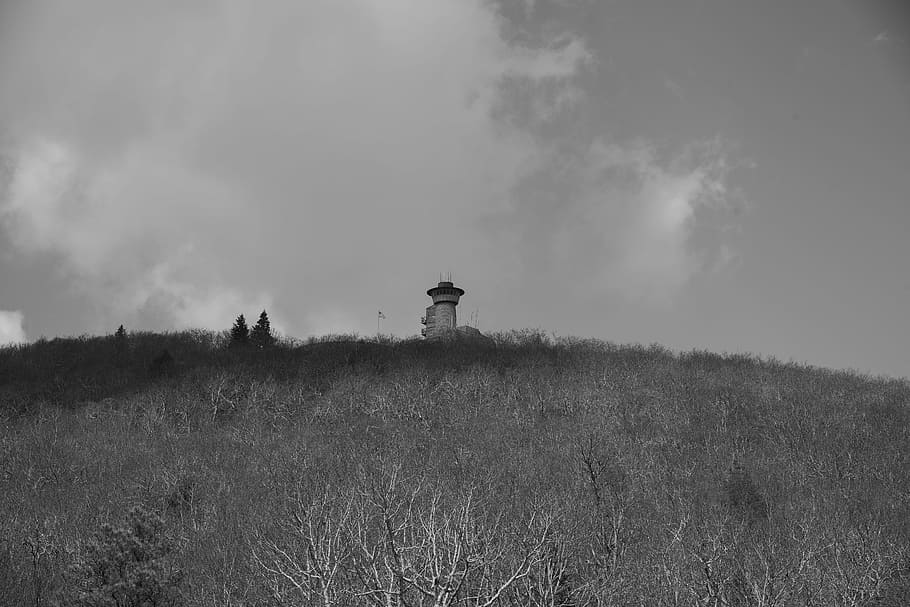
625,218
188,305
675,88
11,329
189,160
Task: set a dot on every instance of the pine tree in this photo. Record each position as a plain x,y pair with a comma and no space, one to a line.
120,346
131,565
261,337
240,334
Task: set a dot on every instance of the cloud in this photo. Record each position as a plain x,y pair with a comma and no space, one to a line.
186,161
11,329
675,89
627,219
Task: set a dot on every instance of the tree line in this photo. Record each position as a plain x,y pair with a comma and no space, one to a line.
260,336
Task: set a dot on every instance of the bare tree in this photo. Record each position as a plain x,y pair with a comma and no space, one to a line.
389,546
310,560
429,555
549,583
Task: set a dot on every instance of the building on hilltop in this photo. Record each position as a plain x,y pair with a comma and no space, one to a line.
440,317
440,320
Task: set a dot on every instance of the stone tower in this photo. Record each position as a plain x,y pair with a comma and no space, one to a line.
440,318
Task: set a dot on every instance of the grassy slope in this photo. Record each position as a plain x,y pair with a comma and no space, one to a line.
601,474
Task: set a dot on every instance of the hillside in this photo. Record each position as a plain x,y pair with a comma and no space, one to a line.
523,472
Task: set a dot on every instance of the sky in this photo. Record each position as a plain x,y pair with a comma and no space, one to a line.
726,175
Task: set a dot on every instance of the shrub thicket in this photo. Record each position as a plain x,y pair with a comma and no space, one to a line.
527,471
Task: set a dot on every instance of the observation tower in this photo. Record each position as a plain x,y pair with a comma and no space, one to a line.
440,317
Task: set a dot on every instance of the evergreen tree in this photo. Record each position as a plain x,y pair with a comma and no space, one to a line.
261,337
120,346
240,333
129,566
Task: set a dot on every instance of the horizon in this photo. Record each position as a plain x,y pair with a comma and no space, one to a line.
507,336
700,175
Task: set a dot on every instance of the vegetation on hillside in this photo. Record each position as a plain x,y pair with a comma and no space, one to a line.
172,469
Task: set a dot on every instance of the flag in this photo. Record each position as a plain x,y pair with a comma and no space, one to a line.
381,315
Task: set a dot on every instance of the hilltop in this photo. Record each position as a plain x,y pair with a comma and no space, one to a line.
522,470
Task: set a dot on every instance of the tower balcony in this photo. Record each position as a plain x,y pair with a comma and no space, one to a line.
445,292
